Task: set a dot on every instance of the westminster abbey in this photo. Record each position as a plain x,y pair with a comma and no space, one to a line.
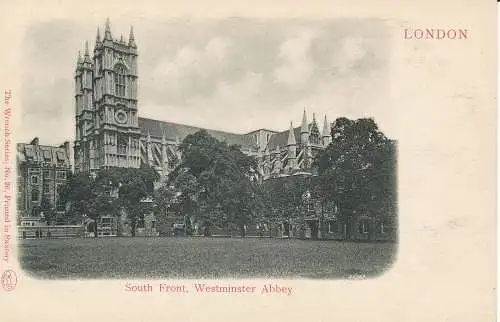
110,133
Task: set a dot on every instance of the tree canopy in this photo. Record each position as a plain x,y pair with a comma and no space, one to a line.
108,191
358,169
217,182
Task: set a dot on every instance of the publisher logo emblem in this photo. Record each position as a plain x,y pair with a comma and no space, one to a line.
9,280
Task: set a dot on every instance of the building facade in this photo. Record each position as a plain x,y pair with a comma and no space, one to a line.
107,129
110,133
41,171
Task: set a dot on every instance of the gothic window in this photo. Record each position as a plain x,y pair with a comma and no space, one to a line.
35,195
122,145
331,227
61,175
363,227
120,80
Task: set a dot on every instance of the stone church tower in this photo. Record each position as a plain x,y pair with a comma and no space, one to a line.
107,126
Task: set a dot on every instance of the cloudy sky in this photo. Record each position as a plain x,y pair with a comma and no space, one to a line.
235,74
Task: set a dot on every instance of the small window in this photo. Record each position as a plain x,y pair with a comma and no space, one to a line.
106,220
60,156
46,174
335,227
61,175
47,155
34,170
29,151
35,195
122,145
331,227
46,188
60,205
34,179
363,228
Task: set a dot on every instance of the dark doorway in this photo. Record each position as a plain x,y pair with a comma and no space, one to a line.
314,226
286,229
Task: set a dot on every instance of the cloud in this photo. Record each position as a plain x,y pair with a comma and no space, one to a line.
235,75
191,71
296,65
351,51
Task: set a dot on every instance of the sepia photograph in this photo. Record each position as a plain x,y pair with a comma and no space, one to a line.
228,148
248,160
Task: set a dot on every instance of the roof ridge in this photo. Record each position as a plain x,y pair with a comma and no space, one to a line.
42,146
194,126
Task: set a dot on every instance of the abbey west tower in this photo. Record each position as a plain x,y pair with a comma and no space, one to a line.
107,127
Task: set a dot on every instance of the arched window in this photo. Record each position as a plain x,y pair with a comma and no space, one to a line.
122,145
120,80
35,194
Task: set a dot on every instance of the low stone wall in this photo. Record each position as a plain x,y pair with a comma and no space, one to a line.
62,231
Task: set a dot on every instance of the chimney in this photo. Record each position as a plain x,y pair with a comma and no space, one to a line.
66,147
67,150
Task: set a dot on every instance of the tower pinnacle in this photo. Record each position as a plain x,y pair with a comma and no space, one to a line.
131,39
326,135
291,136
304,128
326,130
107,31
98,36
78,61
86,57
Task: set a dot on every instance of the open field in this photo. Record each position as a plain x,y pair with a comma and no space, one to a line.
203,258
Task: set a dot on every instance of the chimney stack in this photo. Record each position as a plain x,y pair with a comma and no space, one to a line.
34,141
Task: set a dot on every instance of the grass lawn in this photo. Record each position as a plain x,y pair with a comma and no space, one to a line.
203,258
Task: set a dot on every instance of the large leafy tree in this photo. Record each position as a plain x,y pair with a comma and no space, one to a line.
357,171
133,186
84,197
216,183
286,195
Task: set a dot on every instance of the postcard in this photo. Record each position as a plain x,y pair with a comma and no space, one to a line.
248,160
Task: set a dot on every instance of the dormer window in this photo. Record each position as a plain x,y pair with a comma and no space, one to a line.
47,155
120,80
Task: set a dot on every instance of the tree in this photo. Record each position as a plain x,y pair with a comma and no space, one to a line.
215,182
79,193
108,191
357,170
132,186
165,196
